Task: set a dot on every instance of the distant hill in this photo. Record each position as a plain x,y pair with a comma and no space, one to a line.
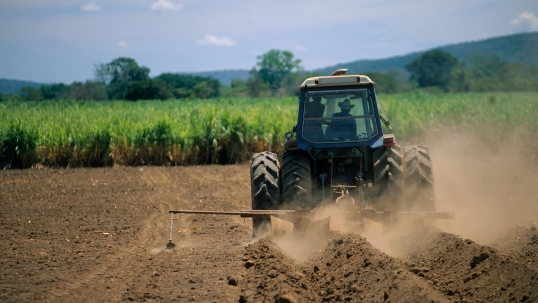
9,86
224,76
521,48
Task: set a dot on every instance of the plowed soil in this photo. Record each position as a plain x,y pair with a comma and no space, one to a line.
90,235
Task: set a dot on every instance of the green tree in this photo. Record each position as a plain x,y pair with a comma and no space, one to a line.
484,66
31,93
461,79
89,90
238,88
433,68
390,82
275,66
118,74
487,73
45,92
201,90
148,89
256,86
11,97
54,91
189,86
122,69
521,77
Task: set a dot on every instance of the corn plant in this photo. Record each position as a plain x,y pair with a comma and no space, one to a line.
226,130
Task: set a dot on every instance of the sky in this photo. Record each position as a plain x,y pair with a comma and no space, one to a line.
61,40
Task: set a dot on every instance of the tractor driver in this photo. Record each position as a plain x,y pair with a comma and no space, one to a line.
343,129
312,128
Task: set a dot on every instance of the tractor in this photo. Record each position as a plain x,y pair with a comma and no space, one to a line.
337,153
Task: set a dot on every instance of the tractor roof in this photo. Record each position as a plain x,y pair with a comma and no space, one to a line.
342,80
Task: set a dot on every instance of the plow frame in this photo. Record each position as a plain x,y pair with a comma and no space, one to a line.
302,219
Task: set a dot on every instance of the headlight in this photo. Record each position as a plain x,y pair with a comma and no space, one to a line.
288,135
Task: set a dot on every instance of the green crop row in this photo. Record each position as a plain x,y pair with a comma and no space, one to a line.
71,134
493,116
185,132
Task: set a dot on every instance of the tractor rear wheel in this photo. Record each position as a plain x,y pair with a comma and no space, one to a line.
388,177
265,191
296,180
419,193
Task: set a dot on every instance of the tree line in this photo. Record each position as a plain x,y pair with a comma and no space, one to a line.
439,71
279,73
275,74
124,79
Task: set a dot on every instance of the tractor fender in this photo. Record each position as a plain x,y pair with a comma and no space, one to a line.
378,143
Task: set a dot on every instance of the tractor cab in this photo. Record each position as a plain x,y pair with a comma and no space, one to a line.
339,131
337,111
338,115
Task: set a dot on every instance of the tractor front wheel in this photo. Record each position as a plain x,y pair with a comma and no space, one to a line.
265,191
296,180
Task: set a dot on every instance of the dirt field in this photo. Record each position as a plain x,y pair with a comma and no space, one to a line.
90,235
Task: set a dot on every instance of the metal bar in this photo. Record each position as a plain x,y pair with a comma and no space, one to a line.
206,212
242,213
372,214
171,226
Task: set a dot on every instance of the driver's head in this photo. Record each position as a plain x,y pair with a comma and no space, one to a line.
346,105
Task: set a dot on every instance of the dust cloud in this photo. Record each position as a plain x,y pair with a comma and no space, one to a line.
300,247
489,187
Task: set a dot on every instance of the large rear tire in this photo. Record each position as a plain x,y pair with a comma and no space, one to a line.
296,180
265,191
419,192
388,177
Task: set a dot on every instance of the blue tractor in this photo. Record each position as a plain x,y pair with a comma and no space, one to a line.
338,154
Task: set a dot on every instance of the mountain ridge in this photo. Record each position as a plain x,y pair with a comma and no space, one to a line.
520,48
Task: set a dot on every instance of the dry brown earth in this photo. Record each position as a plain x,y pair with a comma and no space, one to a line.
91,235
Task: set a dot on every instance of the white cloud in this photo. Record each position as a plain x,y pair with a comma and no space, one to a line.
300,48
123,44
165,5
214,40
91,7
526,20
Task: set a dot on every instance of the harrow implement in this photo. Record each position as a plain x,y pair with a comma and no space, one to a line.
305,221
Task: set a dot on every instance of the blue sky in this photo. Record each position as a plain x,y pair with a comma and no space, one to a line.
61,40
